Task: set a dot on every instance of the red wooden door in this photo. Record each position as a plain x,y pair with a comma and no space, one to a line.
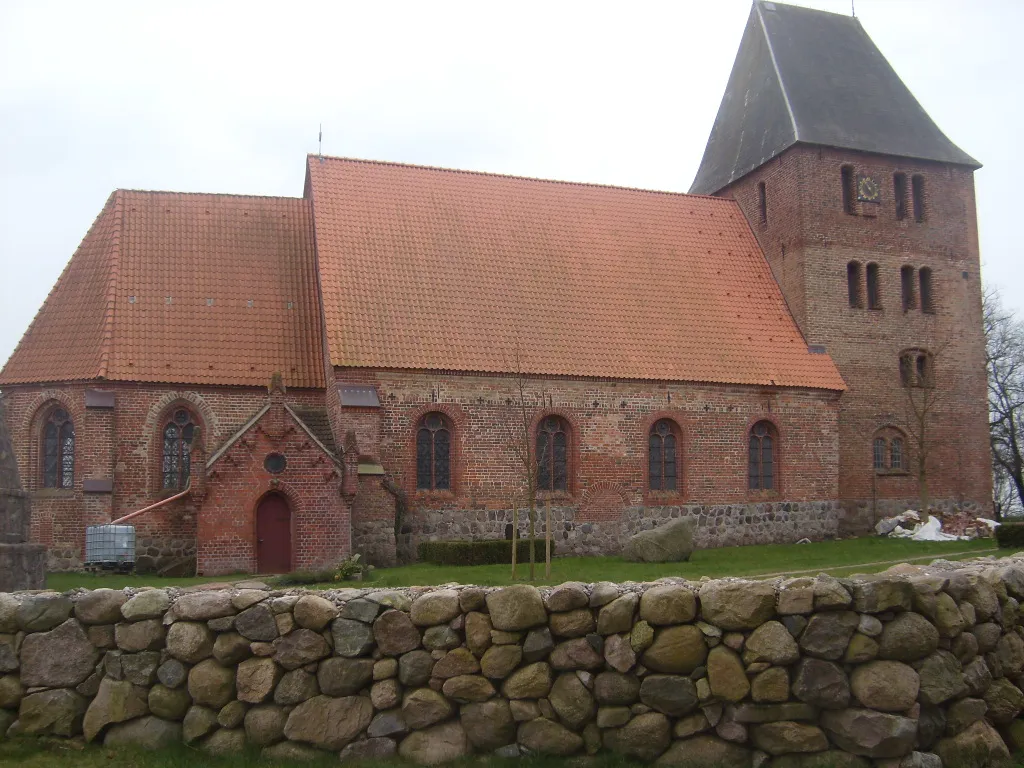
273,535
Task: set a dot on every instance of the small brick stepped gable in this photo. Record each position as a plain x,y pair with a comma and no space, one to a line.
918,666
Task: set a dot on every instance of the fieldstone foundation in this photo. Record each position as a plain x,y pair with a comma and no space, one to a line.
718,525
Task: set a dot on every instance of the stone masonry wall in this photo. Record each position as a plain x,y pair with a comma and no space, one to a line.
921,666
720,525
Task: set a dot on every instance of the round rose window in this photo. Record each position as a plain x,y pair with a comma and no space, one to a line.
275,463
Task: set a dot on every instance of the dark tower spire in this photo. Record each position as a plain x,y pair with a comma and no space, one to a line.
813,77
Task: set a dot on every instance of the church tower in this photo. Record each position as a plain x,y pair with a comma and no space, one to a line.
866,212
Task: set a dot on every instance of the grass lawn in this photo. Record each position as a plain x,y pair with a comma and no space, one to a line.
50,753
836,557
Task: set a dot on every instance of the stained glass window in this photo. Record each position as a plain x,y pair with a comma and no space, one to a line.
177,450
553,455
662,461
433,454
58,450
761,459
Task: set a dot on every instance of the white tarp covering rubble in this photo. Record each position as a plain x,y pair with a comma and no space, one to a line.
908,525
929,531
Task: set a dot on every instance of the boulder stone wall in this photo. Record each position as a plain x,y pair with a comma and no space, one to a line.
919,666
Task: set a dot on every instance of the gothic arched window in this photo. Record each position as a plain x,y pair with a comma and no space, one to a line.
888,451
879,453
58,450
896,454
433,454
553,454
761,459
177,450
663,461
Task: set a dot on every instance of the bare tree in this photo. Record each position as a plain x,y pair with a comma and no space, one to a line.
1004,361
923,401
522,446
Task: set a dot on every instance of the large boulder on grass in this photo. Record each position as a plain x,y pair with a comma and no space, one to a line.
668,543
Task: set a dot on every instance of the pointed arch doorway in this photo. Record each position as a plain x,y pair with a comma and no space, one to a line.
273,534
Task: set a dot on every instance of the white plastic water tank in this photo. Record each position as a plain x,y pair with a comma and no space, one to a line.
110,545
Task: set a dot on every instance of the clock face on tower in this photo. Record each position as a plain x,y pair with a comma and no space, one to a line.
867,189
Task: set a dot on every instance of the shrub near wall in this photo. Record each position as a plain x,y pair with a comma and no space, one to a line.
484,552
789,674
1010,535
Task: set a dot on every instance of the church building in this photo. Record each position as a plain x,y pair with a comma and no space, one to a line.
776,354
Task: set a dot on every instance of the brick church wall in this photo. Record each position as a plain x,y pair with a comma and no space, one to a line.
809,239
122,445
610,422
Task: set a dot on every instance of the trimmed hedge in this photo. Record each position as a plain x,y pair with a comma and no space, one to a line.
486,552
297,578
1010,535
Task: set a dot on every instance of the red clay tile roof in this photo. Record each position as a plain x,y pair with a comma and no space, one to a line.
134,303
426,268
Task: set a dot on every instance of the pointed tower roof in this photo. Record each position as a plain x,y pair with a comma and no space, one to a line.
808,76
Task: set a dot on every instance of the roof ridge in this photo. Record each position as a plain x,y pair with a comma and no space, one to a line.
795,7
206,194
107,340
778,72
491,174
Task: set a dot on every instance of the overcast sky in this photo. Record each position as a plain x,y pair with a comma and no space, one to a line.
227,97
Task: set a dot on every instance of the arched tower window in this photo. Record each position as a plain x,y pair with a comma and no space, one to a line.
761,458
853,284
874,290
916,368
927,301
58,450
177,450
663,456
553,454
907,288
433,453
762,203
899,188
917,193
849,194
